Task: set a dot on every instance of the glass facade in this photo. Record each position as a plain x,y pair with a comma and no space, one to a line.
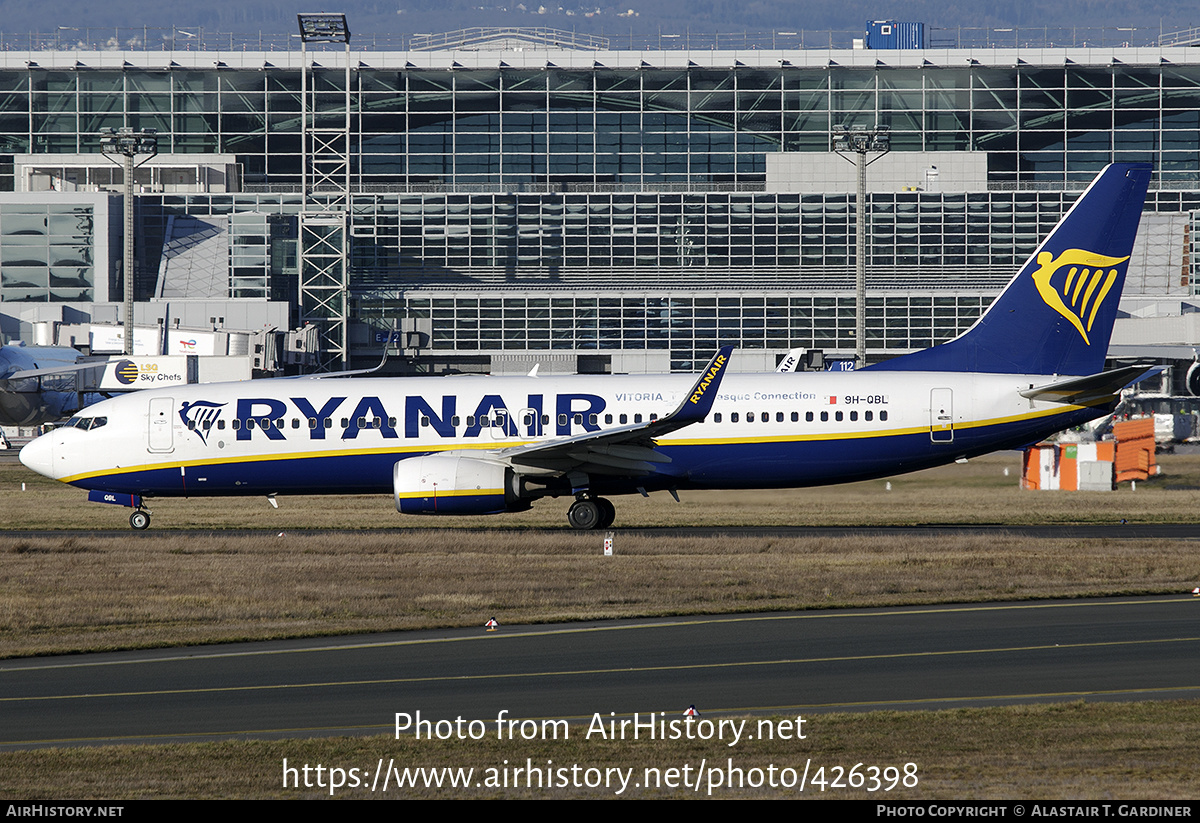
1052,122
47,252
690,327
609,200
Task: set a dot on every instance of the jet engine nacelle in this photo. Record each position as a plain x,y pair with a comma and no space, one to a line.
455,484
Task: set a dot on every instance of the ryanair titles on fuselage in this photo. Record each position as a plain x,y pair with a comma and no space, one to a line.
264,417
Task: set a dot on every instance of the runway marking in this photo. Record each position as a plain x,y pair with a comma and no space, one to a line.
387,727
888,612
619,670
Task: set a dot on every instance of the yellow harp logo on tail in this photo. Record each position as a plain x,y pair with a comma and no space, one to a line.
1085,282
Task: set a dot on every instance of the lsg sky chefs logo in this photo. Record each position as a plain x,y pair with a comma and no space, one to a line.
1085,282
126,372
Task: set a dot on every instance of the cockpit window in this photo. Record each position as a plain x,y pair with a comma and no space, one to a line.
85,423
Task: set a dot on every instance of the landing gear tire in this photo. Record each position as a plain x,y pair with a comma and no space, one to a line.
139,520
584,514
608,513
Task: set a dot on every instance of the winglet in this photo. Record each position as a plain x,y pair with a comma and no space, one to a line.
700,397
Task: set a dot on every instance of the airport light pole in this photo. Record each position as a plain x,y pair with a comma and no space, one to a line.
128,143
861,141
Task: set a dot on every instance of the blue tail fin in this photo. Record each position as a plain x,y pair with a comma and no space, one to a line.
1056,316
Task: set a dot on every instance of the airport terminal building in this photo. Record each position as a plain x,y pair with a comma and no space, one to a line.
529,200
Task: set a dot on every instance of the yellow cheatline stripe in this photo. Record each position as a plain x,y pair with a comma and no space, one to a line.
701,620
453,493
393,681
274,458
505,444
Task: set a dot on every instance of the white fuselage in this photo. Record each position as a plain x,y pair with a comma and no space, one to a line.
345,435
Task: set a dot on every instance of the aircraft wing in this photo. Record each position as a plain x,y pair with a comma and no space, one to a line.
627,450
1081,391
53,370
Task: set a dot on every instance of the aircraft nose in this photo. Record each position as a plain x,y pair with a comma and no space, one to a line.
38,455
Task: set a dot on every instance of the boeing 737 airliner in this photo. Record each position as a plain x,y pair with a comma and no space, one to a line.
1032,365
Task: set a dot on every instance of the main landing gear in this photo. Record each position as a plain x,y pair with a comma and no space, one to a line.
139,520
591,513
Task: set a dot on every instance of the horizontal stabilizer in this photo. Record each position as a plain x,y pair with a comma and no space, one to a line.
1082,391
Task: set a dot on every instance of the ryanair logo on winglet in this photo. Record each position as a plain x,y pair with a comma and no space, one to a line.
1077,294
703,385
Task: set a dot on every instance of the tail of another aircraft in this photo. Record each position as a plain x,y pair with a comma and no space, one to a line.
1056,316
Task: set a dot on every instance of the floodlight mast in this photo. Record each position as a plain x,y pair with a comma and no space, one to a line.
128,143
323,250
323,27
861,141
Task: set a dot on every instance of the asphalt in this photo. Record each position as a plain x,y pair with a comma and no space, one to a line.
903,658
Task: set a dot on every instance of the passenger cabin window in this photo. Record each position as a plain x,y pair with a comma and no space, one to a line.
883,415
853,416
749,417
717,417
808,417
837,416
824,417
733,417
867,415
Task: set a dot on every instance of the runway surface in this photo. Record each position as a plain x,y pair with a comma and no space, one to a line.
903,658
